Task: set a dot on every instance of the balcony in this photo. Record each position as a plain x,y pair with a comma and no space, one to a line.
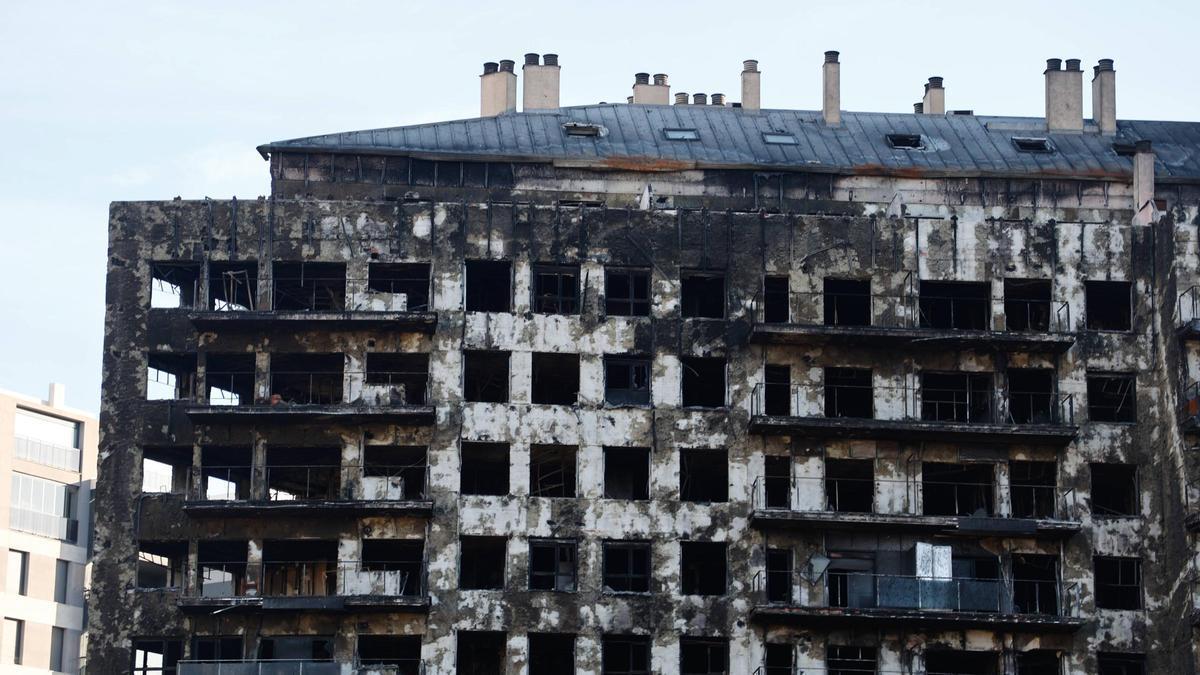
285,321
296,667
1187,314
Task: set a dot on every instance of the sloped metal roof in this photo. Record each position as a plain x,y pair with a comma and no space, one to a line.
733,138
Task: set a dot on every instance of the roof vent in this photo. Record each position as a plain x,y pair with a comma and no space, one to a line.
1032,144
961,112
584,129
906,141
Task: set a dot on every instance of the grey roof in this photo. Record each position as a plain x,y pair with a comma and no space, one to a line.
733,138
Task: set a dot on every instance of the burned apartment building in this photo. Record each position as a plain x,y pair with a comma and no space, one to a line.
682,389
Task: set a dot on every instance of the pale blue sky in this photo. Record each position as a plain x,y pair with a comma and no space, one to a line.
123,101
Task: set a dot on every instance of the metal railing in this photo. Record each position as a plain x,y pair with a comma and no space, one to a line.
46,454
260,667
311,578
373,387
370,482
44,524
1189,403
1187,306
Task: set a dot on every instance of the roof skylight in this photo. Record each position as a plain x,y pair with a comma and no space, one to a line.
681,134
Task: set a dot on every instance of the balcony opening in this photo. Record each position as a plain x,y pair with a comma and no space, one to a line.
229,379
303,473
777,390
627,380
847,302
957,397
1027,304
959,662
552,470
1033,488
1120,664
955,305
153,656
551,653
1038,662
627,567
627,473
396,566
777,481
165,470
217,648
780,659
552,565
850,485
1112,398
703,476
160,564
222,568
1118,582
300,567
481,652
703,381
556,289
626,292
703,567
625,655
481,563
393,654
396,379
485,376
703,656
395,472
403,287
489,285
295,648
484,468
1115,490
1031,398
1035,584
702,295
850,660
308,286
848,393
958,489
224,473
173,285
170,376
555,379
307,379
779,575
232,286
775,299
850,582
1109,305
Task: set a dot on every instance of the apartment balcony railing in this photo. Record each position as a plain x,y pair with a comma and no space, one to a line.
44,524
47,454
1187,314
311,584
297,667
1189,407
309,490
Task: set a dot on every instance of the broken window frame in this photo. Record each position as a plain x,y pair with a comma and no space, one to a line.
217,648
634,657
697,580
632,303
635,578
495,387
847,302
1033,489
1099,311
409,369
403,665
307,378
846,395
412,474
974,402
1124,593
483,294
947,491
555,289
168,559
697,302
773,652
545,461
229,378
143,662
851,659
954,305
634,369
181,276
413,279
308,286
1035,593
554,378
846,492
170,376
696,485
1038,662
1108,406
471,575
1112,500
232,286
703,656
1026,403
691,372
1027,305
559,579
779,575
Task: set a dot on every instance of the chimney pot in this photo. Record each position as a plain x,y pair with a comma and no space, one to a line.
490,67
641,78
699,99
718,99
1105,64
918,108
660,79
681,98
935,81
1053,64
506,65
1073,64
550,59
629,99
934,101
831,57
831,89
532,59
751,85
750,66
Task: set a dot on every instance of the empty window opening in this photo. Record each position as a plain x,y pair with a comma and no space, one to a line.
1027,304
222,568
1108,305
703,656
625,655
957,397
552,470
957,662
556,289
584,129
849,660
958,489
170,376
481,563
779,139
778,481
1033,489
485,376
295,648
551,653
703,381
1112,398
627,473
399,654
1038,662
399,564
304,379
229,379
955,305
703,567
397,379
779,659
1120,664
906,141
232,286
555,379
847,302
1118,582
407,284
1031,396
217,648
18,572
303,473
395,472
300,568
627,566
1115,490
1035,583
224,473
308,286
848,393
1032,144
779,575
681,134
13,641
626,292
777,390
165,469
489,285
850,485
160,564
153,656
64,582
174,285
702,295
775,299
484,468
552,565
627,380
703,476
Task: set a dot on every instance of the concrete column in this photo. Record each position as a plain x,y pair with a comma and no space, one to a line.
497,89
751,85
1064,96
1104,97
831,90
541,82
934,102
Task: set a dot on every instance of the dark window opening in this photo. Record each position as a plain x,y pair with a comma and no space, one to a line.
955,305
627,380
1027,304
422,172
775,299
627,473
1108,305
703,476
850,485
703,567
957,662
404,378
779,659
217,648
779,575
1115,490
551,654
232,286
681,134
224,473
307,378
304,473
555,379
627,567
160,564
485,376
173,285
1120,664
848,393
1038,662
958,489
222,568
229,379
552,471
308,286
484,469
1032,144
552,565
703,656
1035,584
556,289
481,563
702,296
626,292
1033,489
170,376
906,141
778,482
400,653
480,653
625,655
849,660
1031,398
584,129
1111,398
489,285
957,397
849,582
847,302
410,280
399,562
703,381
777,391
156,657
295,648
395,472
300,567
1118,582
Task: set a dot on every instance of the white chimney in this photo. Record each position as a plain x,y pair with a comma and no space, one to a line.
58,395
644,92
1143,183
1104,96
934,102
497,89
1064,96
540,82
751,85
831,98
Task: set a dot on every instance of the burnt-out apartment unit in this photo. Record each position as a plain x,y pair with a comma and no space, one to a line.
682,389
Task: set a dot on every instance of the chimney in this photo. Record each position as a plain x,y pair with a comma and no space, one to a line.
831,91
681,98
699,99
934,102
1064,96
919,107
1143,183
497,89
751,85
718,99
58,395
658,93
1104,96
540,83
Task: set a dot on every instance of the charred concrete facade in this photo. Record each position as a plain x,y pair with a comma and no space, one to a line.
671,389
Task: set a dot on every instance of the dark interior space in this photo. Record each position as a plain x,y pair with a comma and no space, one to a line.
627,380
411,279
556,289
555,379
703,381
956,662
308,286
480,653
300,567
552,565
296,648
779,575
625,655
303,473
703,475
1114,490
484,468
402,653
1038,662
777,481
160,564
1035,583
958,489
229,378
850,485
232,286
957,397
1031,396
489,285
775,299
485,376
1112,398
955,305
551,653
1027,304
552,470
406,464
407,374
307,378
1118,582
847,302
481,563
222,567
627,473
1033,489
850,660
1120,664
626,292
779,659
403,556
1108,305
702,295
627,566
703,567
849,393
777,390
703,656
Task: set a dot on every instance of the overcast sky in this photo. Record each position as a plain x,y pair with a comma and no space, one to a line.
119,101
